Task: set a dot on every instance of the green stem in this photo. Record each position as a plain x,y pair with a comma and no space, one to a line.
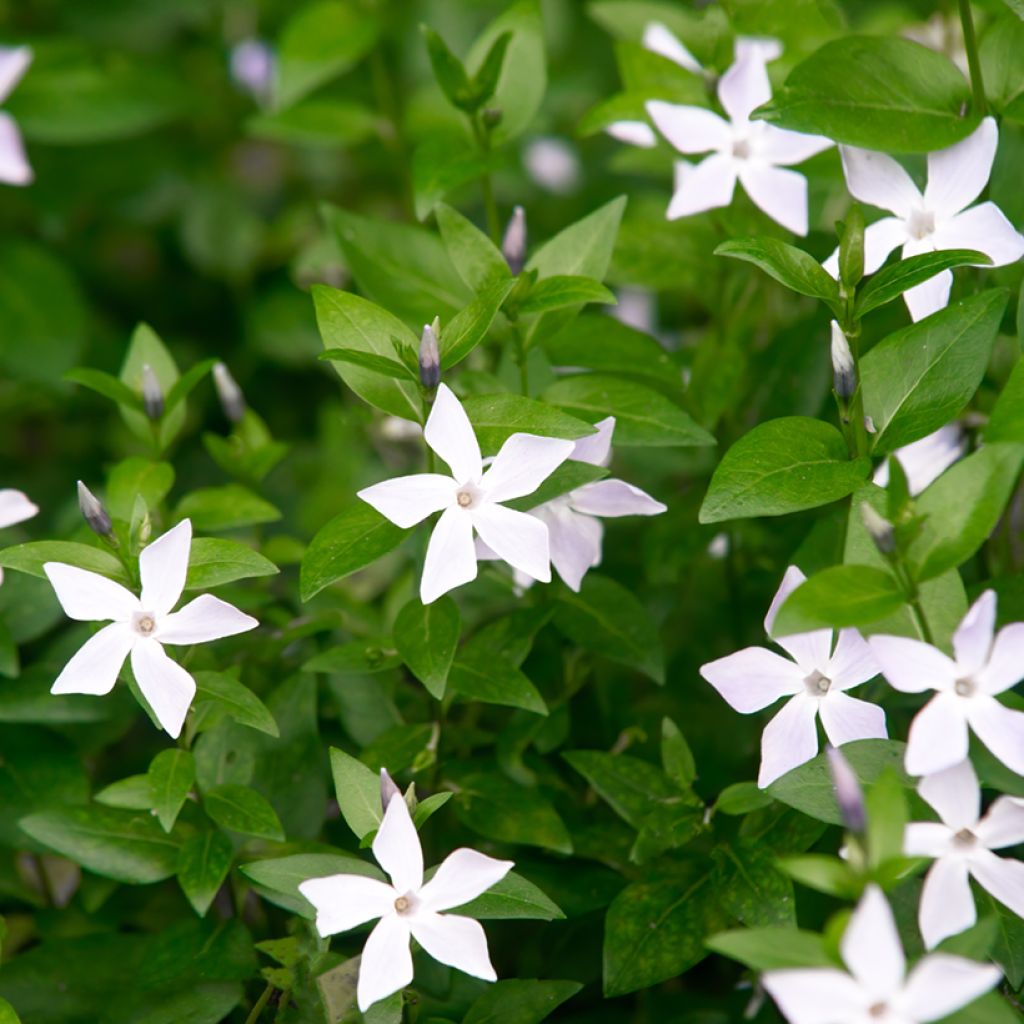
971,45
490,206
260,1006
920,622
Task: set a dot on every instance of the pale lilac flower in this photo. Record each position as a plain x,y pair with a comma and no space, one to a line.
14,165
553,164
877,989
965,690
962,846
253,66
814,678
926,460
15,507
939,218
408,908
140,626
471,500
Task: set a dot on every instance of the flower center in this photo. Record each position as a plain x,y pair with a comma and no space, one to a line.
965,687
817,684
144,623
741,149
878,1009
965,839
465,499
921,223
404,904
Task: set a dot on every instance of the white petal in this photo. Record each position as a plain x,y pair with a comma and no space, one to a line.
205,618
957,174
744,86
911,665
1000,729
408,500
451,556
517,538
941,983
397,847
385,966
95,665
1003,825
927,839
162,567
930,296
15,507
816,995
846,719
658,39
1005,665
14,166
880,239
780,193
1001,877
852,662
878,180
938,736
811,650
611,498
926,460
450,434
690,129
462,876
779,146
947,906
634,133
789,739
89,597
753,678
765,47
574,542
595,449
871,946
954,794
973,637
459,942
985,228
167,687
523,464
347,901
791,579
708,186
14,62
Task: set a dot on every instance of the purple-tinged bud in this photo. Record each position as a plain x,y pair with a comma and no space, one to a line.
94,513
232,400
513,245
388,788
880,529
849,796
430,356
152,393
844,373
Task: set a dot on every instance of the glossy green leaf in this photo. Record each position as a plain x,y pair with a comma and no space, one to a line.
242,809
770,949
796,269
426,637
496,417
171,775
893,280
520,1002
840,596
479,675
358,792
203,865
476,258
213,561
234,699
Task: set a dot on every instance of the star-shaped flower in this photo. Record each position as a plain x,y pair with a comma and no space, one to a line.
962,846
408,908
926,460
965,690
14,166
939,218
141,626
754,152
815,681
471,499
877,989
15,507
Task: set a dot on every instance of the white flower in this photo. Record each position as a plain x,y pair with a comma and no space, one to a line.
15,507
926,460
408,908
965,689
141,626
14,166
253,65
815,681
553,164
753,152
962,846
936,219
470,499
877,989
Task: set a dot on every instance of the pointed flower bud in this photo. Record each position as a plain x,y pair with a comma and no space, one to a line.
388,788
848,792
844,373
152,393
513,245
94,513
232,400
880,529
430,356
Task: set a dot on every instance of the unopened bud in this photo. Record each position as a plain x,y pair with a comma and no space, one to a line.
849,796
232,400
492,117
513,245
844,373
152,393
430,356
880,529
94,513
388,788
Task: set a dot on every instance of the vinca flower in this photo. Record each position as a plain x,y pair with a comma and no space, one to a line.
408,908
941,217
15,507
962,845
471,500
815,680
140,626
926,460
965,690
14,166
877,987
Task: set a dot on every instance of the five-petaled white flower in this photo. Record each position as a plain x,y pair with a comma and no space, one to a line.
877,989
962,846
470,499
14,166
936,219
141,626
815,682
926,460
408,908
15,507
965,689
754,152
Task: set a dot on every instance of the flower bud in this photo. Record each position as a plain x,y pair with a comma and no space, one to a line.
152,393
232,400
94,513
388,788
430,357
513,245
844,373
848,792
880,529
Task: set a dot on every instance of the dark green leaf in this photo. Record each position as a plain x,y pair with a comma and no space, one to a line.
31,558
477,674
843,595
171,775
426,637
496,417
203,864
892,281
790,266
357,789
242,809
107,385
236,700
378,364
520,1002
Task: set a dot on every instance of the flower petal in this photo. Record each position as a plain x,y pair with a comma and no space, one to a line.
1001,877
880,239
450,434
911,665
88,596
517,538
14,166
846,719
15,507
459,942
612,498
408,500
690,129
753,678
929,297
940,984
852,662
574,542
347,901
397,847
789,739
523,464
595,449
926,460
973,637
95,665
947,906
385,966
463,875
451,556
1005,665
815,995
708,186
958,173
779,146
162,568
985,228
938,736
660,40
14,62
878,180
954,794
633,133
167,687
1003,824
203,619
811,650
871,948
1000,728
745,85
780,193
926,839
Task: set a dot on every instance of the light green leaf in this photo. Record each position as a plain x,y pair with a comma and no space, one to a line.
893,280
241,809
30,558
496,417
134,476
769,949
324,122
584,248
564,290
442,163
225,508
1006,421
146,349
236,700
213,561
840,596
470,326
476,258
278,879
796,269
357,789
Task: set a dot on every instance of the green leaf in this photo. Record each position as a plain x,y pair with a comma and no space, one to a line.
676,755
7,1014
357,789
443,162
770,949
426,637
171,775
241,809
752,888
324,122
448,71
894,95
369,361
1006,421
30,558
359,657
485,81
513,898
584,248
235,699
213,561
186,383
840,596
225,508
470,326
146,349
136,476
741,798
564,290
496,417
796,269
132,794
476,258
278,879
478,674
823,873
520,1002
567,477
107,385
348,542
203,864
921,377
893,280
782,466
999,54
